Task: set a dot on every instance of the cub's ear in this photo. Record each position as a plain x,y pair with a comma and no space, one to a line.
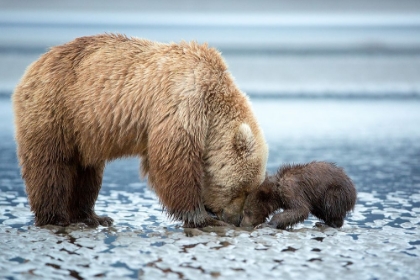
244,140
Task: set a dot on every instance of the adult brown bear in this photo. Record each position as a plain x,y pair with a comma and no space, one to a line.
103,97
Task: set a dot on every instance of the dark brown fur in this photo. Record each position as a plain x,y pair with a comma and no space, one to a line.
320,188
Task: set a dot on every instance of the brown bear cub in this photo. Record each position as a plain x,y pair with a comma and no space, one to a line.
103,97
320,188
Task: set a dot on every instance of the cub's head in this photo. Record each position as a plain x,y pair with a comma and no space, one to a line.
234,166
258,205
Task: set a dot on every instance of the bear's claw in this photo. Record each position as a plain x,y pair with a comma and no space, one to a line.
209,222
95,220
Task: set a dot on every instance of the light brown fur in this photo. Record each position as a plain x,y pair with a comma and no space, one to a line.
103,97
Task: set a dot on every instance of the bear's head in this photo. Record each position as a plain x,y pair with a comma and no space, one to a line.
234,167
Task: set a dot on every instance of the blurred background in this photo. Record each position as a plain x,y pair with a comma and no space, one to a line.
273,48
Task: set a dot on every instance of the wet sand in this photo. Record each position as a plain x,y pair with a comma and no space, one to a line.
375,141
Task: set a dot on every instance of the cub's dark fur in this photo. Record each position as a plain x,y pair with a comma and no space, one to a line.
320,188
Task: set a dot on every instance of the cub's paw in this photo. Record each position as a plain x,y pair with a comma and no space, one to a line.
277,225
335,223
320,225
263,225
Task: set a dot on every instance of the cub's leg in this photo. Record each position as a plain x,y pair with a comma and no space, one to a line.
335,222
329,216
334,207
288,218
84,195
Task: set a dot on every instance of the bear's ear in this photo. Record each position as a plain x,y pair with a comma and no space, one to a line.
244,140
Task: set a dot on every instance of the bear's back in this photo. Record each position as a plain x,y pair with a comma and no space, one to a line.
100,87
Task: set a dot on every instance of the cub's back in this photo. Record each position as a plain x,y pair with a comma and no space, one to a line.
312,179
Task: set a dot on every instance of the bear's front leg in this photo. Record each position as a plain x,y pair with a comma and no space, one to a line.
175,164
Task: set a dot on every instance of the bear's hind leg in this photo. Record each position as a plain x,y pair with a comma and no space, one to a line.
84,195
48,186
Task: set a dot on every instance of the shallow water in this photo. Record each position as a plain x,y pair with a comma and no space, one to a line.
376,141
